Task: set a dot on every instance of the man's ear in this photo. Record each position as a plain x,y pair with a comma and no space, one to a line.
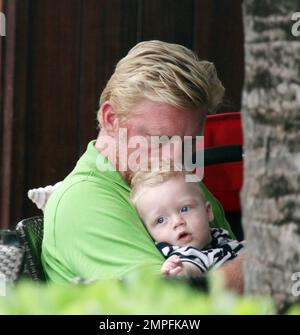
110,120
209,211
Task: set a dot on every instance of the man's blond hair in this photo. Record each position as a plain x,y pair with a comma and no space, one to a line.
163,72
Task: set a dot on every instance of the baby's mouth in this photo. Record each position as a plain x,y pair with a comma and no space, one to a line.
184,237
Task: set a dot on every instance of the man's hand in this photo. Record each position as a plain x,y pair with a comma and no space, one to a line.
232,273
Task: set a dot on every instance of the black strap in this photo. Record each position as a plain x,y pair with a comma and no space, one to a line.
222,154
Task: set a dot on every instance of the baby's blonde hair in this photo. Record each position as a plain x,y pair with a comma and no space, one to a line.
153,178
163,72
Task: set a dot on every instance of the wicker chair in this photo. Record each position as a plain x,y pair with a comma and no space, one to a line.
11,257
30,233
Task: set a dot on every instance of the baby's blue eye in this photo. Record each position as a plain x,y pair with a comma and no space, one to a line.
184,209
161,219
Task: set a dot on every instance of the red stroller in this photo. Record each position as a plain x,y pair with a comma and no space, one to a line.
223,173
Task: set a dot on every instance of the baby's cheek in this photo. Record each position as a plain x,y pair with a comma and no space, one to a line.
156,234
195,218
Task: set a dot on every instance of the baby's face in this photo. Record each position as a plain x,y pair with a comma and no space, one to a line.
175,212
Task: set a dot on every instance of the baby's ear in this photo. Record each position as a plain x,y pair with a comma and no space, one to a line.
209,211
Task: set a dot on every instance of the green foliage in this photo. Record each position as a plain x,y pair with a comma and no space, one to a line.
294,310
139,293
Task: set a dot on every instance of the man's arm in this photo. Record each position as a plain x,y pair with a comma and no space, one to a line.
232,272
92,233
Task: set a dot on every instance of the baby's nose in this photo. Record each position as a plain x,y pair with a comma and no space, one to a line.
178,220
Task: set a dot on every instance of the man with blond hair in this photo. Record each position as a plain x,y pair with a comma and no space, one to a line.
91,229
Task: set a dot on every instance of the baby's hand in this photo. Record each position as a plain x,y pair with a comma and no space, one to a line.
172,266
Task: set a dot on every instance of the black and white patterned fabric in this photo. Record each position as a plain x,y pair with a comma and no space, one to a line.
11,262
221,249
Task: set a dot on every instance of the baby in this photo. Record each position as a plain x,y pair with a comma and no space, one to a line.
177,217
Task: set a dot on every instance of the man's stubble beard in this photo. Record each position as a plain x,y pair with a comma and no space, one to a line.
127,176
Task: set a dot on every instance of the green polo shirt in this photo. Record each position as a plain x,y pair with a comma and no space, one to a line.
91,229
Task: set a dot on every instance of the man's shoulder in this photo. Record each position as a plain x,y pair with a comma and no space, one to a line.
77,193
74,188
84,205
